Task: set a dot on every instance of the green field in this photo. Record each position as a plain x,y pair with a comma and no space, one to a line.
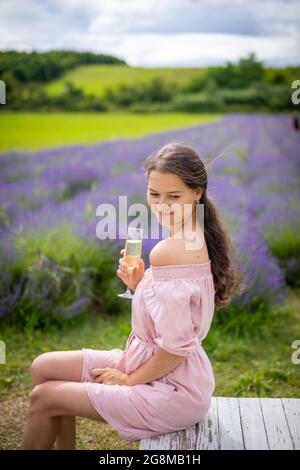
32,131
95,79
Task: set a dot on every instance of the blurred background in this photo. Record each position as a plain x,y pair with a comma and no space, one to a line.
91,89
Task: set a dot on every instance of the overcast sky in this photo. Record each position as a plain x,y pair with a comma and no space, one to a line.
157,33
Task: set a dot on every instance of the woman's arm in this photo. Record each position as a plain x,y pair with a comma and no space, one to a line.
160,364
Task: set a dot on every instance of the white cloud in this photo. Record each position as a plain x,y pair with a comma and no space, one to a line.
155,32
204,49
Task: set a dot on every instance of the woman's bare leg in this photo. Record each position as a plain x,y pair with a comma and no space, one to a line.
66,434
40,432
60,365
49,400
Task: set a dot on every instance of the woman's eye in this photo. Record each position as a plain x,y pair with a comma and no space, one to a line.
171,197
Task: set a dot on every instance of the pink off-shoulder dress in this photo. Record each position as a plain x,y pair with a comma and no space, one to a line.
172,309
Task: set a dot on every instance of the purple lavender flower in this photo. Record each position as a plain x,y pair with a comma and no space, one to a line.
255,185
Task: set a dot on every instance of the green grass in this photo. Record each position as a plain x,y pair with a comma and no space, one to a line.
32,131
256,362
95,79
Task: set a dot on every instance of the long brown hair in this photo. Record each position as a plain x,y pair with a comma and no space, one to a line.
182,160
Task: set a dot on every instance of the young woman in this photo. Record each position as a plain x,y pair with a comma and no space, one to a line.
163,380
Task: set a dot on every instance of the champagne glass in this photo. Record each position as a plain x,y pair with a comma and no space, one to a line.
132,254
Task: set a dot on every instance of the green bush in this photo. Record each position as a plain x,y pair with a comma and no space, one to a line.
285,246
197,102
58,277
156,90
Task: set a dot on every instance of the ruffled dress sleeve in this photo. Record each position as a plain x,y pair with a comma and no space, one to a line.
169,305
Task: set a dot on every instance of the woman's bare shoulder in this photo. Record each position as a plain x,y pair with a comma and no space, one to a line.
174,251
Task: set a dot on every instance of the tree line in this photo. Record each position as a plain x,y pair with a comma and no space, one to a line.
243,86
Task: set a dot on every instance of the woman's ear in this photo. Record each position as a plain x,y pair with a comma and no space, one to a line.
198,195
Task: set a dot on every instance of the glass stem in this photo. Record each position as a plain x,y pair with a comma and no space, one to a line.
128,291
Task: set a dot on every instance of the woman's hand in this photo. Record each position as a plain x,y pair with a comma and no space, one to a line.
136,275
110,376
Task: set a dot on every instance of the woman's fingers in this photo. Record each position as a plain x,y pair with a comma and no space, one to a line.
122,275
124,268
123,271
123,265
98,371
141,265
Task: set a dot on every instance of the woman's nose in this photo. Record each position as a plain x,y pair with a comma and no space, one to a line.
162,199
163,206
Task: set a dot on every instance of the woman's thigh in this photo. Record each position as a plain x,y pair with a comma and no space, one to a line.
72,366
60,398
57,365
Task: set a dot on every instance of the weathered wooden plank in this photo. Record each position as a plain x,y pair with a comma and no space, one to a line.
238,423
152,442
208,429
253,427
184,439
276,424
230,430
292,412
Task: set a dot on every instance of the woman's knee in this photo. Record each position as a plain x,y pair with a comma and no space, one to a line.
39,398
39,368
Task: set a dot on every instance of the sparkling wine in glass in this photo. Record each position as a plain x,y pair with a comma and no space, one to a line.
132,254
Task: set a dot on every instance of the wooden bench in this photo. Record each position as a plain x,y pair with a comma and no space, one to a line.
238,423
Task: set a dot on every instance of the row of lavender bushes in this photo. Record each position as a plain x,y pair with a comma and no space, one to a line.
53,267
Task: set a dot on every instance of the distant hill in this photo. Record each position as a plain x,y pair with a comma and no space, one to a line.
94,79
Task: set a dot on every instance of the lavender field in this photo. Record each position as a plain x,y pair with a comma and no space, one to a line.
48,203
53,265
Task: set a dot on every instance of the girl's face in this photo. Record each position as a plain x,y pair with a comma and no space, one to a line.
167,194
